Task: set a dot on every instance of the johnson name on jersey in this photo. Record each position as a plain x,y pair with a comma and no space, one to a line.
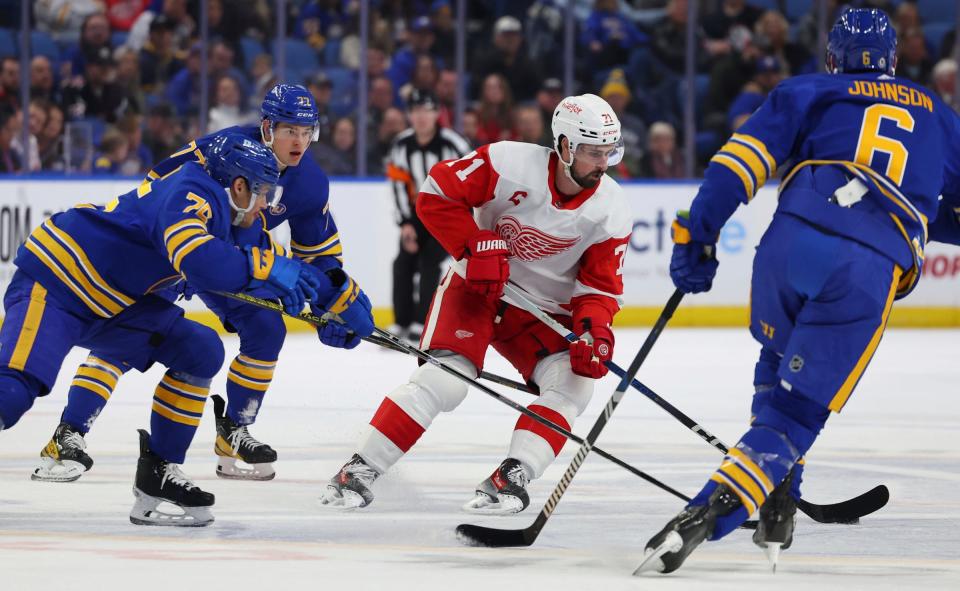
561,248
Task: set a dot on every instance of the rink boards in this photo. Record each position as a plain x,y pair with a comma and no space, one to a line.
364,212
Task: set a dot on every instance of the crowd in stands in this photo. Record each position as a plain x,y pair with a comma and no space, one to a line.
116,84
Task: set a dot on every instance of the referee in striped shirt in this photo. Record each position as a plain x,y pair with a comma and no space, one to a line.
414,152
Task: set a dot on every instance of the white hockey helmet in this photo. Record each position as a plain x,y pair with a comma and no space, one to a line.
587,119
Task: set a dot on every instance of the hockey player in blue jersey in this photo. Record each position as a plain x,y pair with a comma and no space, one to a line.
870,154
289,124
88,277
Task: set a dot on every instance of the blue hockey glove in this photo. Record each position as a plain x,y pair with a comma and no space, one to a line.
350,303
692,265
284,278
336,334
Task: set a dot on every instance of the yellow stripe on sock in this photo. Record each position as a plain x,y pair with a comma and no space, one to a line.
177,418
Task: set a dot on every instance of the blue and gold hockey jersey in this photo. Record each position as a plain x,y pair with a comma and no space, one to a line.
869,156
100,259
305,202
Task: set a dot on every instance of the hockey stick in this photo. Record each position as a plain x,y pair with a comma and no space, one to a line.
477,535
849,511
397,344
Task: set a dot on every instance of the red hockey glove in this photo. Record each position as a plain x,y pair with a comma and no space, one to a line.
487,266
587,358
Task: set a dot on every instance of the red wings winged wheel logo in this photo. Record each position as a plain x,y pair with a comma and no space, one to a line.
530,244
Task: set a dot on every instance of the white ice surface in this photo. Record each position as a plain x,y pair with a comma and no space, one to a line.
899,429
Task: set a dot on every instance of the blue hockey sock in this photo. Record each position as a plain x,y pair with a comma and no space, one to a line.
177,408
90,390
247,383
17,393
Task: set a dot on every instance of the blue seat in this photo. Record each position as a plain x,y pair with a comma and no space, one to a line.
118,38
331,52
796,9
937,11
251,48
41,43
302,60
345,86
8,43
934,33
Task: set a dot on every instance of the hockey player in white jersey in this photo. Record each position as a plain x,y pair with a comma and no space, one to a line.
555,225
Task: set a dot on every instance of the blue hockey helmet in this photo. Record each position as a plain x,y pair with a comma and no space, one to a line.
233,155
293,104
862,40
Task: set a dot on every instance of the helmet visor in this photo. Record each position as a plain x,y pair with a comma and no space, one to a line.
596,154
290,131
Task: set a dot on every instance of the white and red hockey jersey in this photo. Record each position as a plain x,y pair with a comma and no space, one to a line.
566,252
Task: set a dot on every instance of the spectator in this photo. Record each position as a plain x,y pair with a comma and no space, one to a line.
377,62
549,96
36,121
10,84
494,109
913,62
668,42
338,158
471,128
139,159
633,130
771,37
425,76
663,160
113,150
41,79
176,12
158,59
321,88
945,81
414,152
50,139
907,17
123,13
768,72
96,95
128,76
544,35
263,78
183,91
392,122
405,61
228,107
729,15
506,59
529,126
444,30
221,62
64,19
94,35
609,36
163,134
9,129
446,93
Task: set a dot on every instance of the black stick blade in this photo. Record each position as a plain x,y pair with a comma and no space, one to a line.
849,511
477,535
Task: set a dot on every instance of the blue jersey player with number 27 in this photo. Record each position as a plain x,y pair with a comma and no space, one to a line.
869,153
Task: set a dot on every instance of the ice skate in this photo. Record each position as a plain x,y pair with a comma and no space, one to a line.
158,482
503,493
350,488
63,458
235,444
778,516
666,551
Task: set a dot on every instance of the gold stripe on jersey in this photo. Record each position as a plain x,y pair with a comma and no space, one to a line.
188,247
85,264
29,328
749,157
330,246
760,148
738,169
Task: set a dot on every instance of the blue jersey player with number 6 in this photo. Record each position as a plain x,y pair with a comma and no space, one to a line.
868,156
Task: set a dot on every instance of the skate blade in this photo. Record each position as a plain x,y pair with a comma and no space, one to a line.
343,500
229,469
652,557
482,505
145,512
772,550
50,470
